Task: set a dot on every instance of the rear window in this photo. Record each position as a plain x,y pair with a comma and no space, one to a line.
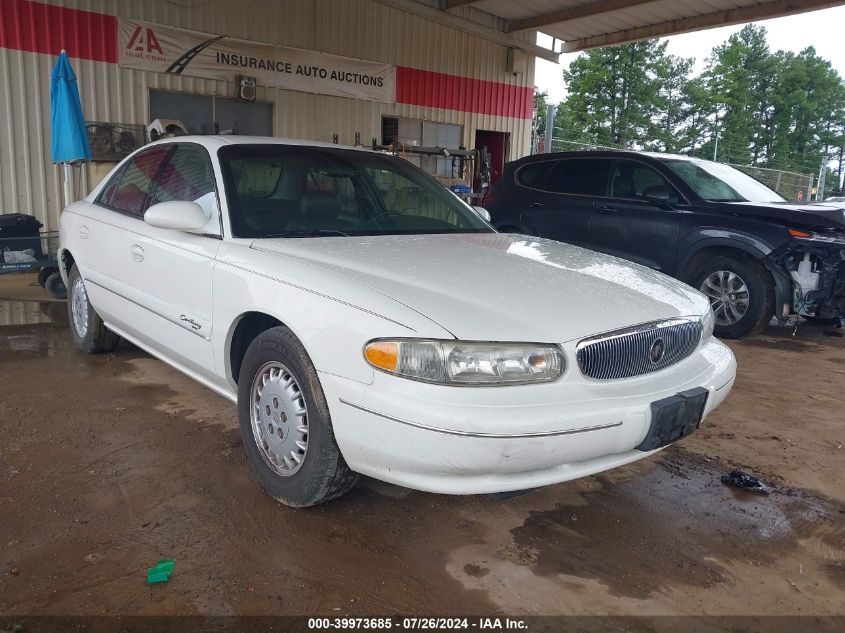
534,174
580,176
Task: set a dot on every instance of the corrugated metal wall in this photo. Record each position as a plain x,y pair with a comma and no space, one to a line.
366,29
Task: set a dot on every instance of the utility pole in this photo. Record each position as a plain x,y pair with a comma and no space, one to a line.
716,146
820,185
550,127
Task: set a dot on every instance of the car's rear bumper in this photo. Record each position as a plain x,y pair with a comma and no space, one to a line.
467,440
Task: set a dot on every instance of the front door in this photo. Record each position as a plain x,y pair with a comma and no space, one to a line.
106,259
625,224
164,276
173,276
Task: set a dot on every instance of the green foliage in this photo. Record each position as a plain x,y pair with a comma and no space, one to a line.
540,105
613,93
768,109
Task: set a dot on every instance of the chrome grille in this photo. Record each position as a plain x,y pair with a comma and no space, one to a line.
631,352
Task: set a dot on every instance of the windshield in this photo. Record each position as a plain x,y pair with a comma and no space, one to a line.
717,182
295,191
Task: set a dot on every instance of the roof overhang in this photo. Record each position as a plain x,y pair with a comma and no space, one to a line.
585,24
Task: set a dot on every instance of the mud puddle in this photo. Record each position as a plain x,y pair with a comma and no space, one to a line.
656,537
673,525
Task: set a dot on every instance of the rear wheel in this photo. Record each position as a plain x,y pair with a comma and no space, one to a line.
740,291
285,423
56,286
43,274
89,332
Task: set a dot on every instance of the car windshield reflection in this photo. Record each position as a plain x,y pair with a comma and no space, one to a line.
295,192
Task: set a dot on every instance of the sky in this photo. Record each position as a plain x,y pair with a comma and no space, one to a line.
823,29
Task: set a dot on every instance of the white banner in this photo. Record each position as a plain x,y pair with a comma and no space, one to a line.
164,49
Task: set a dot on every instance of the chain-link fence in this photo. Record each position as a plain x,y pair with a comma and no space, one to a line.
790,185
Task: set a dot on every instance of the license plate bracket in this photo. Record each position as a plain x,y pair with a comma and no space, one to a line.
674,417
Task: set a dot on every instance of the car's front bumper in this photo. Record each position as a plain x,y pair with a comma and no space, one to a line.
467,440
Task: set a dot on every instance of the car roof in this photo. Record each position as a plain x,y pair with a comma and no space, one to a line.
662,155
612,152
217,141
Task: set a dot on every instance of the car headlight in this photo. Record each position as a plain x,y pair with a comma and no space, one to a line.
461,363
708,321
824,238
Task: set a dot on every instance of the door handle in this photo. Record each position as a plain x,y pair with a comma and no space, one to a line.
533,203
608,210
136,253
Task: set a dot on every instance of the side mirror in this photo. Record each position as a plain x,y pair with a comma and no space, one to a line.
483,213
658,195
177,215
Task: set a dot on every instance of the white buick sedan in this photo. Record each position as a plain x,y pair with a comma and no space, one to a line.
365,320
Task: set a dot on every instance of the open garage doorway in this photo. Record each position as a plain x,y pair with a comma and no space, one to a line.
497,144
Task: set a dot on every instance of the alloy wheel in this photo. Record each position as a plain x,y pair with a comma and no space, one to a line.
79,308
728,294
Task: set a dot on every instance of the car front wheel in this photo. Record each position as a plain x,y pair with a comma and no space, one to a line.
285,423
740,292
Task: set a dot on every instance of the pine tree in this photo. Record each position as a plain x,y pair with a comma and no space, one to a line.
613,94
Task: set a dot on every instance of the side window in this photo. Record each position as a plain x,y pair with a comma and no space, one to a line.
187,175
580,176
128,190
533,175
631,180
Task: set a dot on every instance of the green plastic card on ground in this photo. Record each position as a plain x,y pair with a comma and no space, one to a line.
160,572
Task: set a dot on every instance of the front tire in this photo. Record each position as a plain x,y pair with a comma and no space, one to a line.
285,423
741,293
89,332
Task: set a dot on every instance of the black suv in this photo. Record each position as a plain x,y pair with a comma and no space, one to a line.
753,253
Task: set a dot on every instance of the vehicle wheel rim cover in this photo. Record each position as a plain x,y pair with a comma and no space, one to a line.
279,419
728,294
79,308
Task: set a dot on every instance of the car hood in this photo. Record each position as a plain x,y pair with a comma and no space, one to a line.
500,287
821,215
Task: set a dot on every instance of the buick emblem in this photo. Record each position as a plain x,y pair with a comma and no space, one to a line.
657,350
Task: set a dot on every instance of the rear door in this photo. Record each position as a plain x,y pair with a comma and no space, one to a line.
624,223
559,206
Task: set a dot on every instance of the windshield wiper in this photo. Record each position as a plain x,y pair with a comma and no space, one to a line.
304,233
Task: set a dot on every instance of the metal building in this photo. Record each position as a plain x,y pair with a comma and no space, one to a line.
443,73
451,87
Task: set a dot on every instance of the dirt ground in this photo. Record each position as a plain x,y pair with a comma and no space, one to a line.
109,463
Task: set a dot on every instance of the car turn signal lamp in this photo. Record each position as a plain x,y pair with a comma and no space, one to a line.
470,364
826,238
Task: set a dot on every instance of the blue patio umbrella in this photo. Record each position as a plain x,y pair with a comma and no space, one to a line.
67,125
